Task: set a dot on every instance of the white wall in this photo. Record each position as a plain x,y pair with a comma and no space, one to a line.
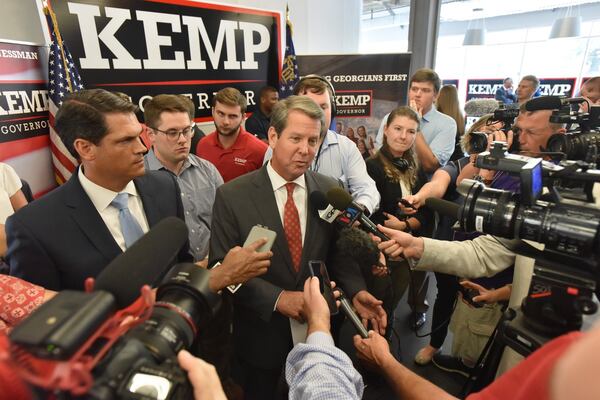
320,26
20,21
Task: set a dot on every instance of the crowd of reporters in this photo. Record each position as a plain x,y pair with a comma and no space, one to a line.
415,156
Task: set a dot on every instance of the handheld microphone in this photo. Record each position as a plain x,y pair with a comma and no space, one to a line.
144,263
351,314
341,200
325,210
443,207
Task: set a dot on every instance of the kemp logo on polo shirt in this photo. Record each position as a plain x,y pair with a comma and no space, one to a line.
245,155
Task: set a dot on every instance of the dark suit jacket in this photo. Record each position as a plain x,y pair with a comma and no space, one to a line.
504,96
60,239
262,336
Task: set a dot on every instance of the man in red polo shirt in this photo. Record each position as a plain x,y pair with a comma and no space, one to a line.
230,148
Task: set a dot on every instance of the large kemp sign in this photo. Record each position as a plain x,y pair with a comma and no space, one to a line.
145,48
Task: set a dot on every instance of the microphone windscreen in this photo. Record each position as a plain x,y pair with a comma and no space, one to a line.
543,103
443,207
318,200
480,107
143,262
339,198
358,245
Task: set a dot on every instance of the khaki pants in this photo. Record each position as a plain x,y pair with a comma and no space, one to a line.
472,327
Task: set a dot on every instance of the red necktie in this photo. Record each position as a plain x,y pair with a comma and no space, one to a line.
291,226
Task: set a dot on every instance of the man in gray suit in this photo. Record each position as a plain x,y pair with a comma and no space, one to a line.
276,196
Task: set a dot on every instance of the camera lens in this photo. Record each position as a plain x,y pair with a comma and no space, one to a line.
576,146
487,210
478,142
182,306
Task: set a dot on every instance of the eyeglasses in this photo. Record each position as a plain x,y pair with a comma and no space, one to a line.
173,134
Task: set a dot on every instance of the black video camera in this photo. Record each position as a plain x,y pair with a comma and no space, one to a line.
478,141
582,139
130,354
567,270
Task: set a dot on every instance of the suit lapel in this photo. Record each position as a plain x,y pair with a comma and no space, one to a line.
266,205
149,202
313,227
88,219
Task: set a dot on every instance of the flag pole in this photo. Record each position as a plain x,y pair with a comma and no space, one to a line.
48,11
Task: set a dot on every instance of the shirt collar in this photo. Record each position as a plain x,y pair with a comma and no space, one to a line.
330,138
153,163
427,117
239,141
278,182
100,196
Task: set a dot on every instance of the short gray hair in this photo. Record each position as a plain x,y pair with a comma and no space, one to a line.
533,79
303,104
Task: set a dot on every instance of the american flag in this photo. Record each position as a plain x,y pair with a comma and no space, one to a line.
63,78
289,71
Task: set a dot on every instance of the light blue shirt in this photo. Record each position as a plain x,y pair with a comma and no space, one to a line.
317,370
340,159
439,131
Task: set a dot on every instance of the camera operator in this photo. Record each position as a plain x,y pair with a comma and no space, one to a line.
491,256
590,90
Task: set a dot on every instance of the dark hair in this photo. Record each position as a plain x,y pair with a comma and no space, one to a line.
282,109
167,103
427,75
266,89
385,157
230,97
82,116
313,84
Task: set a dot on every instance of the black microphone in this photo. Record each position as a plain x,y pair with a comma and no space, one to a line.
144,263
446,208
543,103
341,200
551,102
351,314
357,245
318,200
325,210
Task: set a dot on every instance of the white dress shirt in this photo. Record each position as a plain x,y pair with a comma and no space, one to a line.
300,197
102,197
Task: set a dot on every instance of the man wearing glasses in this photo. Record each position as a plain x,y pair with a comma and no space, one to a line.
230,147
170,123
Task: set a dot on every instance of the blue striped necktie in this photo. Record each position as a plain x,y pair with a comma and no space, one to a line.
129,226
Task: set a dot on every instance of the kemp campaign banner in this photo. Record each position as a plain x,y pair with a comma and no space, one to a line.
145,48
557,87
367,86
24,142
450,82
482,88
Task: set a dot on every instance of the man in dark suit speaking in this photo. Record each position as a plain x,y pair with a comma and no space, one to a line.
276,196
77,229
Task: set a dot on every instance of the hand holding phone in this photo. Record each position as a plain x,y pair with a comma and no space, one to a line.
242,259
318,269
406,203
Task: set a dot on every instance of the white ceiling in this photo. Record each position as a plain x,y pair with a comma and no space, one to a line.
461,10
